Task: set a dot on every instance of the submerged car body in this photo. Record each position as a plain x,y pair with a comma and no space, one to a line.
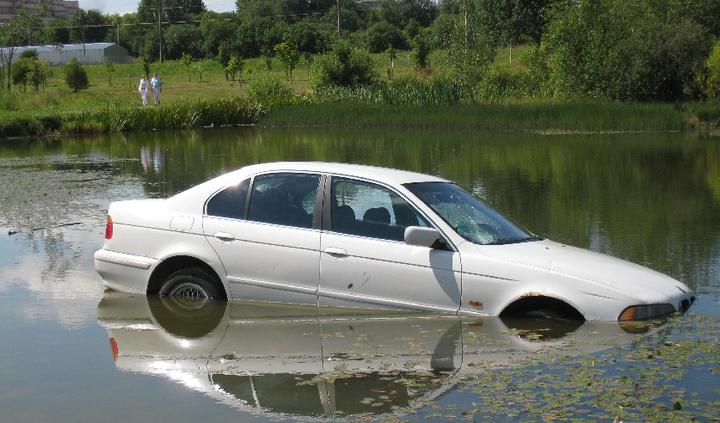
357,236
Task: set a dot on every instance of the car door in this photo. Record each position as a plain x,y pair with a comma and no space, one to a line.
265,232
365,261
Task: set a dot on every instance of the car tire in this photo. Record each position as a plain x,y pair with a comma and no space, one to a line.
191,283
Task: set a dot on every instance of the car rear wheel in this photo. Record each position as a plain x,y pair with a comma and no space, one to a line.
191,286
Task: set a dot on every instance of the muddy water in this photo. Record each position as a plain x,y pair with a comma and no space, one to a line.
73,352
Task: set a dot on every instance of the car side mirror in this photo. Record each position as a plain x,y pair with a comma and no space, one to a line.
423,237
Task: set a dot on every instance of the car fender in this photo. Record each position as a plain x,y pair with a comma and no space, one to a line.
199,249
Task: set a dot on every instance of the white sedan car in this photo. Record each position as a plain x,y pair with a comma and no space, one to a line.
365,237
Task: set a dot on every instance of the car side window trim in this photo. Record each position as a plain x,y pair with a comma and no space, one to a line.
327,214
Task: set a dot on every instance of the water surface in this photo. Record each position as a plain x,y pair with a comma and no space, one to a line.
653,199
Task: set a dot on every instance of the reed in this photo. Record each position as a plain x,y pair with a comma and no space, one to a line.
572,116
121,117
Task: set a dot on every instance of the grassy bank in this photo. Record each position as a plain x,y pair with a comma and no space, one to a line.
520,116
412,99
118,118
536,116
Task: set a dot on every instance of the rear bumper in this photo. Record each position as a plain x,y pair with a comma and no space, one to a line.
124,272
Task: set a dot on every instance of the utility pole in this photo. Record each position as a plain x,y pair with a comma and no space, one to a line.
338,18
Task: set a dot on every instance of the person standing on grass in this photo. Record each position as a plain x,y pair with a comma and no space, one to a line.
156,85
143,90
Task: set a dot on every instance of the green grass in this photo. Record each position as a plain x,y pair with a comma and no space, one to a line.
119,118
574,116
112,104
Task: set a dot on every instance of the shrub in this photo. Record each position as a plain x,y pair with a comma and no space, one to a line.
624,51
75,76
713,73
502,83
421,52
40,72
269,88
21,70
344,66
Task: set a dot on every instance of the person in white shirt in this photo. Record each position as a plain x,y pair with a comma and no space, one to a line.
142,89
156,85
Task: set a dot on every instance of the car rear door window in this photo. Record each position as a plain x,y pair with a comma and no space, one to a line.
284,199
370,210
230,202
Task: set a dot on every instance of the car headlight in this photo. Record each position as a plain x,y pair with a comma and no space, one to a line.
646,311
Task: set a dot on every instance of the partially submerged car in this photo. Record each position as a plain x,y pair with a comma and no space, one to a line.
332,234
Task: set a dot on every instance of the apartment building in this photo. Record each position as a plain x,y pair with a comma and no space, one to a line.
58,8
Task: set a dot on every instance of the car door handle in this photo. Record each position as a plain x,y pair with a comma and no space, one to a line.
224,236
336,252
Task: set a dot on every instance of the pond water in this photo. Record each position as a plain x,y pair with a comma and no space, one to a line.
74,352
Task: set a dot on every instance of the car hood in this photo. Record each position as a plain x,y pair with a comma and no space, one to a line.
599,270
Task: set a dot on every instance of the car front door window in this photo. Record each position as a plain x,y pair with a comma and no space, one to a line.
369,210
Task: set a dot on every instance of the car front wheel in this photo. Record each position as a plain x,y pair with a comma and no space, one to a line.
191,285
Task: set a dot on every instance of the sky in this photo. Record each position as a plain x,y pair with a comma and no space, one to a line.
127,6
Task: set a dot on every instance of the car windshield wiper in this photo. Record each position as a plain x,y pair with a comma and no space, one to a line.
504,241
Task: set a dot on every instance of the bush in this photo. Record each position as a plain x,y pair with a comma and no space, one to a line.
713,73
269,88
21,70
344,66
623,51
75,76
502,83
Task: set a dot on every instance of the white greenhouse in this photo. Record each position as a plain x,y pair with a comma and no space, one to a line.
91,53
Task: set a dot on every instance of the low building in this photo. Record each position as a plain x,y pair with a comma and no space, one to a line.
92,53
57,8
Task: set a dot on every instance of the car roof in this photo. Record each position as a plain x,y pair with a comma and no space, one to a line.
380,174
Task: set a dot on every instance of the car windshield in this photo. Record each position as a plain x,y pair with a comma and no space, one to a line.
468,216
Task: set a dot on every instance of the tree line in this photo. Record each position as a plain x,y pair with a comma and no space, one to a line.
647,50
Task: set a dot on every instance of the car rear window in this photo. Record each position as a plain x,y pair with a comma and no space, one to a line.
284,199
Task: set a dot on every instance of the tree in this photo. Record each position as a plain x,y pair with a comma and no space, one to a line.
392,55
234,67
180,39
288,55
199,68
381,34
624,51
25,28
471,49
172,10
187,61
75,76
87,26
421,52
400,12
58,32
217,28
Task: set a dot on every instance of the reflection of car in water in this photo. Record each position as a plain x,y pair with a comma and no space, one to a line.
288,360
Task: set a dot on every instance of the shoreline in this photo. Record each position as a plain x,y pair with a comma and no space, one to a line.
542,118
